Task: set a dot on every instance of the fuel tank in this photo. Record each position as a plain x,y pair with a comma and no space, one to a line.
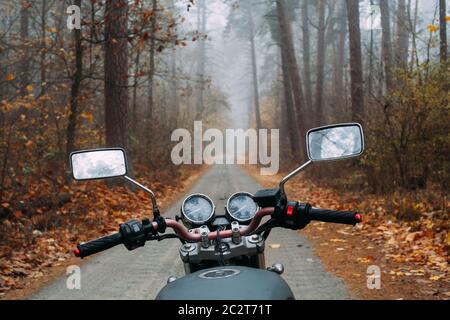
228,283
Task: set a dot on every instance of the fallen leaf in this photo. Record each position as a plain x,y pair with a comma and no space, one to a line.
364,260
412,236
338,240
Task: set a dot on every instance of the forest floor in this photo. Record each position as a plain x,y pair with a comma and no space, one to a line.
31,259
412,255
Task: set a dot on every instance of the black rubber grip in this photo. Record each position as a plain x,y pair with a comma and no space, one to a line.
344,217
95,246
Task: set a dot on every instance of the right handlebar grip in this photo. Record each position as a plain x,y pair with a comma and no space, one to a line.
96,246
344,217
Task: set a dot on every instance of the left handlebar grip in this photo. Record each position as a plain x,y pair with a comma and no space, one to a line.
98,245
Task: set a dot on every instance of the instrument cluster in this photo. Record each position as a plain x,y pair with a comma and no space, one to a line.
198,209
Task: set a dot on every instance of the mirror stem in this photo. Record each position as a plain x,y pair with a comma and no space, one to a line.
156,212
292,174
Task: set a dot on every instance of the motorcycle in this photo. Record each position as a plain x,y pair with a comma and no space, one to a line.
223,255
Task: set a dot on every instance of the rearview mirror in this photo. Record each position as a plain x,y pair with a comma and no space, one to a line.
98,164
335,142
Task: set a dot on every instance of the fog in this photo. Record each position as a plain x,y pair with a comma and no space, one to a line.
228,61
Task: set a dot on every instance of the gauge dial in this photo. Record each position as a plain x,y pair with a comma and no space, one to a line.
197,209
241,207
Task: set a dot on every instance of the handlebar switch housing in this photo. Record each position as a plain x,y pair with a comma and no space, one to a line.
293,215
133,234
267,198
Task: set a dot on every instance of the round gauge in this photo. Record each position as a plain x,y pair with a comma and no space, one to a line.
241,207
197,209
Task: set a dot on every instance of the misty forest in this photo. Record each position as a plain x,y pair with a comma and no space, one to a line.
133,71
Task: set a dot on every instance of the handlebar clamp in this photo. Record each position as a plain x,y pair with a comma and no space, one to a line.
162,225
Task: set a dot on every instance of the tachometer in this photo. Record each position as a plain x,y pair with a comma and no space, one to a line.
241,207
197,210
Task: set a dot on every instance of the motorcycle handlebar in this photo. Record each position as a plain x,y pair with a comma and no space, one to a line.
95,246
343,217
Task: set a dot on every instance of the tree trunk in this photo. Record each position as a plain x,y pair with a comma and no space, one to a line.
24,68
371,55
287,47
151,72
61,24
402,35
306,56
116,73
43,47
137,63
443,30
414,55
174,85
202,59
386,43
290,108
254,70
76,82
357,83
318,112
340,59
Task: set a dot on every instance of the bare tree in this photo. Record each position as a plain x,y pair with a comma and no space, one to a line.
443,30
318,112
386,43
287,47
116,73
289,109
402,35
43,51
254,67
201,21
151,72
306,55
24,66
339,87
75,90
357,83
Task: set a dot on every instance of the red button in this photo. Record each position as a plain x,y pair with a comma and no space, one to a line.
290,210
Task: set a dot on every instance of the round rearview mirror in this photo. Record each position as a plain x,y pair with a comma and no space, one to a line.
335,142
98,164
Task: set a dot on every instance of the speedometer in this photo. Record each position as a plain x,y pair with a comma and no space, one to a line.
197,209
241,207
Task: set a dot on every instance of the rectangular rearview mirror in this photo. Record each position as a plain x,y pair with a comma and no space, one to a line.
98,164
335,142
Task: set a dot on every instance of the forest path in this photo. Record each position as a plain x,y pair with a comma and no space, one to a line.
141,274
